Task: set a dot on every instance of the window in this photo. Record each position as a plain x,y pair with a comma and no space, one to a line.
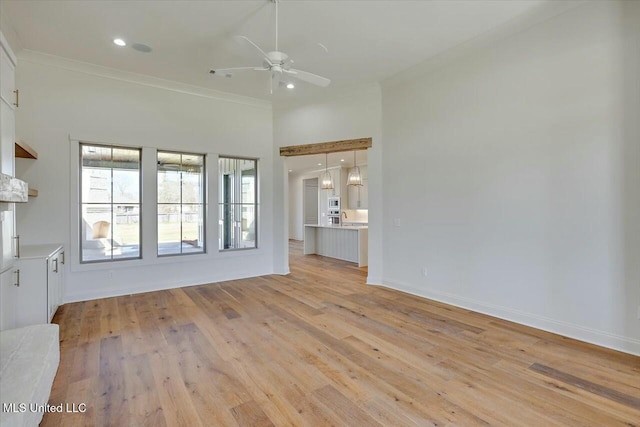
238,204
181,208
109,203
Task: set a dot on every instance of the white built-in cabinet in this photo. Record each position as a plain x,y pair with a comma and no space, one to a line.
31,277
9,288
41,283
8,272
359,195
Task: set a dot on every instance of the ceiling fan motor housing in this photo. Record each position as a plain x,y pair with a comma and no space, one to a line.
277,57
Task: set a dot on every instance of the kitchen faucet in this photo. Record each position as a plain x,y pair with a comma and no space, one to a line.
345,214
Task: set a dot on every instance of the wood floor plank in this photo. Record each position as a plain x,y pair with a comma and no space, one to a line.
142,399
600,390
319,347
346,411
250,414
111,407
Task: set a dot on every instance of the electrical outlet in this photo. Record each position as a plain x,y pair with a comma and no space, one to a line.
396,222
424,271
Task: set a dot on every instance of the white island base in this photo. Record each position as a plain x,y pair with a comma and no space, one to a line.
346,243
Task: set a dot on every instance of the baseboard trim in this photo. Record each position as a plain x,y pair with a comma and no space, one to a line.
141,289
570,330
375,281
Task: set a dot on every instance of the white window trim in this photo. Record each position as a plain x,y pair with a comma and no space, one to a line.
149,221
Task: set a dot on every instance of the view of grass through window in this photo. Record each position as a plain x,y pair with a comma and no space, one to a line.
181,211
110,203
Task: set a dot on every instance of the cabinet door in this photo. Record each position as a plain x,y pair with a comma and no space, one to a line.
8,299
364,195
32,294
7,79
53,285
353,197
358,195
61,277
7,139
7,232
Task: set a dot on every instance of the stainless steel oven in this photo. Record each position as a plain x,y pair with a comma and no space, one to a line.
333,212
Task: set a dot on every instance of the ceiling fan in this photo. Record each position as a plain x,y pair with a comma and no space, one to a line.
276,62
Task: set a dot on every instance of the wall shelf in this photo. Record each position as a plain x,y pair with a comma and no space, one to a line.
25,151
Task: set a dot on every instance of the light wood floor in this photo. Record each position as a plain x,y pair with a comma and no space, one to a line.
318,347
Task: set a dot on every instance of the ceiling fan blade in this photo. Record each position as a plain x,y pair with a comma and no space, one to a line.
229,72
244,39
308,77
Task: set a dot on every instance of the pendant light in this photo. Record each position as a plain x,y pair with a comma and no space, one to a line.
327,181
355,177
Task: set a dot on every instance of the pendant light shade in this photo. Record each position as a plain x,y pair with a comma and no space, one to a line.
355,177
326,181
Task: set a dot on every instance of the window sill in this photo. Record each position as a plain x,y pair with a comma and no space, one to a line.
164,259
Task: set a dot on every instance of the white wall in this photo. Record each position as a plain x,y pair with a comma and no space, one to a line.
60,98
349,115
521,191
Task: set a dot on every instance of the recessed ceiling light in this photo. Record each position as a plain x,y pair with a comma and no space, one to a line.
119,42
290,170
290,86
342,160
319,164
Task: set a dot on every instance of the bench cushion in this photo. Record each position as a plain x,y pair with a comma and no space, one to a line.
29,359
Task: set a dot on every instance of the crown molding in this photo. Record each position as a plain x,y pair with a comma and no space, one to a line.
40,58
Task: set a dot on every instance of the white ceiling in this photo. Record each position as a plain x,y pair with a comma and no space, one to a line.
367,40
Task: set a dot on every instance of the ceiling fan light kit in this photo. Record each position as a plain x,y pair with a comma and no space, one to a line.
276,62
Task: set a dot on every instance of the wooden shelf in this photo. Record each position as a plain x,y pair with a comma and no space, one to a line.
24,151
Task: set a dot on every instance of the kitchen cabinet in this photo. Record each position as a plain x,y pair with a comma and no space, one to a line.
9,288
41,283
359,195
7,70
10,241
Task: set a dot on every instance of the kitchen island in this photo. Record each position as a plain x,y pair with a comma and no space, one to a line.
349,243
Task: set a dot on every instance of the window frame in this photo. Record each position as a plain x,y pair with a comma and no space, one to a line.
256,203
80,203
204,205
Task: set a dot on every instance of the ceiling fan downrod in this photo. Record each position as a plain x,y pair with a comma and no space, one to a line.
276,2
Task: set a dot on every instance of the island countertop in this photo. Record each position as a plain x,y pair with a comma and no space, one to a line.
339,227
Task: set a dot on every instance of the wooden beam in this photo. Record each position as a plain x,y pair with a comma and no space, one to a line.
23,150
326,147
33,192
